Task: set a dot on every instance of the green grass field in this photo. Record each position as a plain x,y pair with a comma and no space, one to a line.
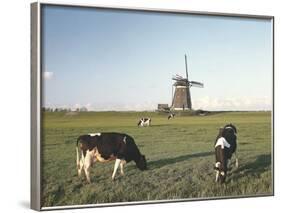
179,153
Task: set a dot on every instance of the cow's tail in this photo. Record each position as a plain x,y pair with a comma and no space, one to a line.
77,154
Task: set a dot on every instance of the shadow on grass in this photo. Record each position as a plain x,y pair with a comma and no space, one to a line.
159,125
244,143
260,165
167,161
51,144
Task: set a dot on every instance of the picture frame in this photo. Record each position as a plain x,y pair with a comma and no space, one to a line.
39,108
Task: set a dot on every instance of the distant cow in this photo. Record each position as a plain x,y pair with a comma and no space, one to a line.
171,115
144,122
105,147
225,146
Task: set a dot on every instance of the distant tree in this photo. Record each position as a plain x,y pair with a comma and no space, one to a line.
63,109
83,109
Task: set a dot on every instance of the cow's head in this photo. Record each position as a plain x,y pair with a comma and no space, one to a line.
140,122
229,132
231,126
141,163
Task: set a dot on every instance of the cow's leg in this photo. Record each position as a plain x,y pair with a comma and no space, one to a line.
122,164
217,167
223,171
223,165
223,176
87,165
217,175
228,163
117,163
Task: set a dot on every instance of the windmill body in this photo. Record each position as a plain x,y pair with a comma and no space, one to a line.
181,96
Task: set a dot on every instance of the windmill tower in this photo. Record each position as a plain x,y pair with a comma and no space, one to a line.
181,96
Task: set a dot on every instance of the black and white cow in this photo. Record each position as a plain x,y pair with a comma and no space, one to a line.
144,122
225,146
105,147
171,115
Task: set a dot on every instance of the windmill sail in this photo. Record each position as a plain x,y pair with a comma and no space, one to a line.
186,69
188,96
196,84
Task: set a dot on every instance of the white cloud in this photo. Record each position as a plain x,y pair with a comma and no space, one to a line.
233,103
76,106
88,105
142,106
205,103
48,75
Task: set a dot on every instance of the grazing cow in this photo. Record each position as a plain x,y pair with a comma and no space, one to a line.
225,146
171,115
144,122
105,147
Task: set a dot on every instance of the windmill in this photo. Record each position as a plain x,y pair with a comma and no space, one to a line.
181,97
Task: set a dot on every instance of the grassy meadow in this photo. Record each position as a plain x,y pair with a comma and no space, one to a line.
179,152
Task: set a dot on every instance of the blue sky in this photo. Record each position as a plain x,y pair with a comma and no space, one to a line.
122,60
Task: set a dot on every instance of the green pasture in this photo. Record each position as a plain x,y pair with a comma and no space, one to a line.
179,153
